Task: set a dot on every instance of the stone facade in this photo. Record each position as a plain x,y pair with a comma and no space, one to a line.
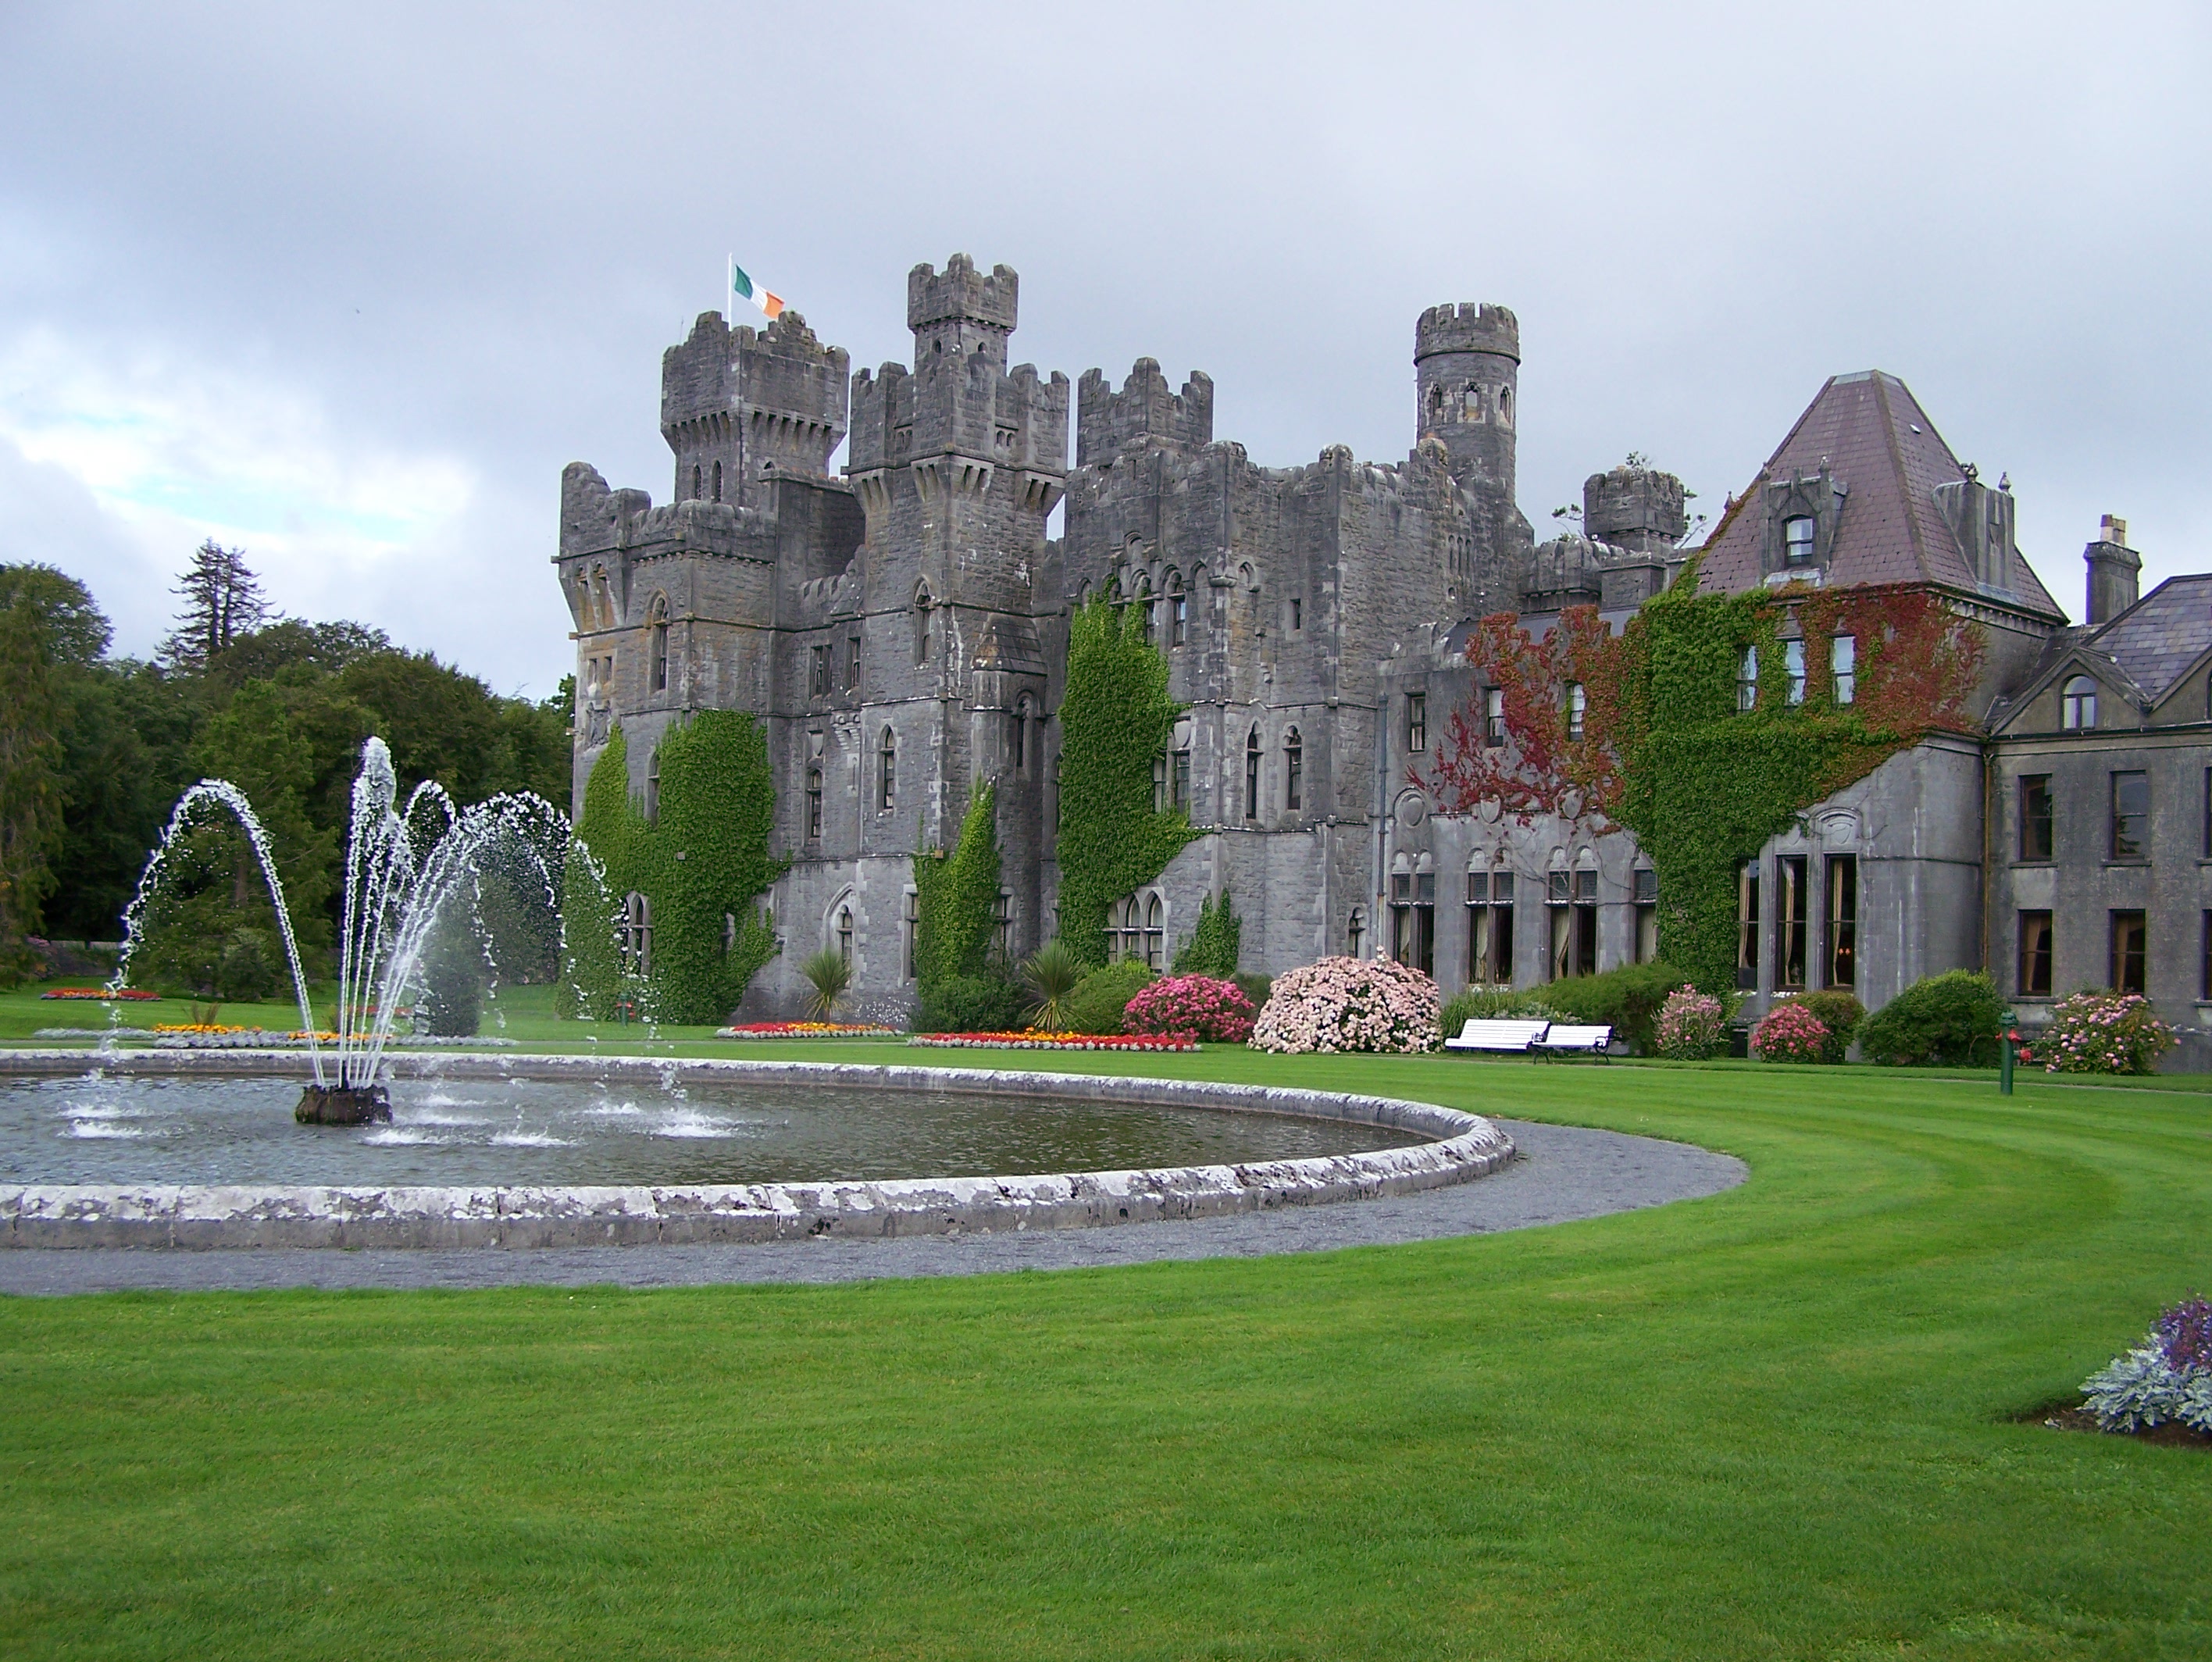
902,630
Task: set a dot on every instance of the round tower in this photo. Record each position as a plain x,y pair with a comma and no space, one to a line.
1467,365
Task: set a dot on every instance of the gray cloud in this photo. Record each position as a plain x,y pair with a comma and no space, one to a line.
447,244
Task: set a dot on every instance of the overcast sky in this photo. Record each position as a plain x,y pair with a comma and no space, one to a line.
347,285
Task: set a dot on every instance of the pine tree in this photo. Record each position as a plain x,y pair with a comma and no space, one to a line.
223,601
30,793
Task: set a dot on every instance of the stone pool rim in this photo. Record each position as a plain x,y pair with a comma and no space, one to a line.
1466,1146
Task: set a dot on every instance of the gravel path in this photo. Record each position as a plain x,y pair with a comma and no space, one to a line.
1564,1173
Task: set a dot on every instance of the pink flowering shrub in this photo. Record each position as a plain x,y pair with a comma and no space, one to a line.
1692,1025
1201,1007
1789,1033
1349,1004
2103,1033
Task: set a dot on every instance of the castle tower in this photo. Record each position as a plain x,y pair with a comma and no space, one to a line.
1466,365
736,404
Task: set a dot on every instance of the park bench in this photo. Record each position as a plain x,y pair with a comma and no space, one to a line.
1562,1039
1509,1038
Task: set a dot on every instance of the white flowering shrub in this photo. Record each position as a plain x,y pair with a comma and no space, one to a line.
1350,1004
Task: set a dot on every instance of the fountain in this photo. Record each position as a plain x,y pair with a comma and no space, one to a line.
404,864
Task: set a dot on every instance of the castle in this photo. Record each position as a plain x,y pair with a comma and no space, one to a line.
902,632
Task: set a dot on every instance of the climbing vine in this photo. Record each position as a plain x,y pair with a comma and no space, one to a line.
702,862
1216,944
1665,752
956,895
1116,719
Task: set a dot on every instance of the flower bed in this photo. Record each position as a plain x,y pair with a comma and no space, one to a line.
806,1030
1350,1004
2102,1032
1052,1041
101,995
209,1037
2168,1378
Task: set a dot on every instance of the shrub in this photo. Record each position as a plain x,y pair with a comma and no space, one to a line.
1625,1000
968,1003
1840,1013
1100,997
1944,1020
1257,988
450,1003
1213,947
1692,1025
1495,1004
2103,1032
2167,1377
1201,1007
1048,977
1350,1004
829,973
1791,1033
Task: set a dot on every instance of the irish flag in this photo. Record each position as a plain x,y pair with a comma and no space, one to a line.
742,288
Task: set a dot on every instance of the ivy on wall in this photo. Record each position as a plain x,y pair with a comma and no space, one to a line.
1115,718
703,860
1216,944
1666,753
956,898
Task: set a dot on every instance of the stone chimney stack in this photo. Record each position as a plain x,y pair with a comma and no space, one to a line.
2113,569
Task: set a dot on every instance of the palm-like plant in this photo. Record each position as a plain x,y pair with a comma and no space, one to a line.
830,974
1047,979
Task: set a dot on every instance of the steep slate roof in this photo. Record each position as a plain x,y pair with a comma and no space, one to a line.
1877,441
2159,638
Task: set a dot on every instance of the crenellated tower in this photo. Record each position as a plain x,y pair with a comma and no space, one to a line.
737,405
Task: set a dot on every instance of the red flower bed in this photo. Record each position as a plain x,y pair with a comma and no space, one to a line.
804,1030
132,995
1052,1041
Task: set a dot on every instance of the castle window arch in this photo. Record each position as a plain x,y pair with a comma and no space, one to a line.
2077,703
652,784
1504,406
845,933
922,608
1018,735
1156,934
697,481
1470,403
658,657
887,772
1179,769
1355,933
1252,750
813,802
718,481
1294,770
1178,609
1144,604
637,933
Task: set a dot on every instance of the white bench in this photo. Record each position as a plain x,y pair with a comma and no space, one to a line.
1511,1038
1564,1040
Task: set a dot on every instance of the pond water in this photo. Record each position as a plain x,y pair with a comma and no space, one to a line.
96,1128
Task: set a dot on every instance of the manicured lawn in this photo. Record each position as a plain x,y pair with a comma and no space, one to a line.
1782,1422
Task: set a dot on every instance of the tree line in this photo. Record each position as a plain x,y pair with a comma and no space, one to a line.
94,751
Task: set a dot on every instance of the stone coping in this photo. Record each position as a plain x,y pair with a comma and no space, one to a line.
1466,1146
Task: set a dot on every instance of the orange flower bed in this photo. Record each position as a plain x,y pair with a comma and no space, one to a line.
1052,1041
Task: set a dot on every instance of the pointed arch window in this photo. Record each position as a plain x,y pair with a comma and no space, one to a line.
1156,934
658,655
814,801
921,626
1294,770
698,481
1145,618
1252,775
637,934
845,933
652,784
886,771
1178,610
1355,933
1018,736
718,481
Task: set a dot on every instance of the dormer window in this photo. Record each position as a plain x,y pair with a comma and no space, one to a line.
1798,540
2077,704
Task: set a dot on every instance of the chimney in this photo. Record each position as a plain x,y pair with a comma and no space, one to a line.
2113,568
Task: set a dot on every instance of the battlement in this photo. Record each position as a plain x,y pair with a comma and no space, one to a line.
734,402
1634,506
962,293
1466,327
1143,412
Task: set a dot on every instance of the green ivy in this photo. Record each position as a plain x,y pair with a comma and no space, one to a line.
1215,944
705,859
956,898
1115,718
1703,785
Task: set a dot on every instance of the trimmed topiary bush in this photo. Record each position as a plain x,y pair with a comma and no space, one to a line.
1204,1008
968,1003
2103,1033
1791,1033
1101,998
1350,1004
1945,1021
1692,1025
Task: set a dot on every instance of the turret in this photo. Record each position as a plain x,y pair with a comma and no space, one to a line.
1143,412
1634,506
735,403
1467,363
